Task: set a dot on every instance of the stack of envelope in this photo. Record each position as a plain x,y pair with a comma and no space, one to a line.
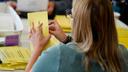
13,58
123,36
64,22
122,31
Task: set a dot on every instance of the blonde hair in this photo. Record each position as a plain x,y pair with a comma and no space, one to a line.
95,32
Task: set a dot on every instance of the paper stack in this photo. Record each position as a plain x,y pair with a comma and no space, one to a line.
123,36
14,58
122,30
64,22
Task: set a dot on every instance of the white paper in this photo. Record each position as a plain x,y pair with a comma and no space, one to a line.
32,5
2,40
6,22
120,24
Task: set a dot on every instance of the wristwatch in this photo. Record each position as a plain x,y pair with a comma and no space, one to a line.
68,39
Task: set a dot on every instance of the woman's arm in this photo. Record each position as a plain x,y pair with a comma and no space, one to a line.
39,42
48,61
33,59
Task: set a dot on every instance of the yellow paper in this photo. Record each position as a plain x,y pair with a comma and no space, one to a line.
41,17
123,36
5,67
14,57
64,22
12,67
14,54
67,30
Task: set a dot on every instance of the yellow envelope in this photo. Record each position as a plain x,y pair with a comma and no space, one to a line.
123,36
64,22
14,57
5,67
41,17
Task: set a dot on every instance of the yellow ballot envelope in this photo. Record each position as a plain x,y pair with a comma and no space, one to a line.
123,36
64,22
41,17
14,57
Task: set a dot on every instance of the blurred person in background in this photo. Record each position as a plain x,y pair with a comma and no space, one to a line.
1,0
124,11
116,5
54,7
12,3
121,6
58,7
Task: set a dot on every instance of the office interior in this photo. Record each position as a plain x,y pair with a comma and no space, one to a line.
17,18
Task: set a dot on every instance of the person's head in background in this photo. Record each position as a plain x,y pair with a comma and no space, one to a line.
95,32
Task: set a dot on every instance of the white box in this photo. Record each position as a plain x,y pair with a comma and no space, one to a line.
9,14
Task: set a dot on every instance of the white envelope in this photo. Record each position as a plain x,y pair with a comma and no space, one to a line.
32,5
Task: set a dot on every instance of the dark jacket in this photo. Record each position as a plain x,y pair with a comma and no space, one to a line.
124,12
61,6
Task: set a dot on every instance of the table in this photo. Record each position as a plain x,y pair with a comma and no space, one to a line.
24,40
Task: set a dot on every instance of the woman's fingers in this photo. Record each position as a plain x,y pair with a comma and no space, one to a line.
52,27
51,22
40,28
32,30
56,22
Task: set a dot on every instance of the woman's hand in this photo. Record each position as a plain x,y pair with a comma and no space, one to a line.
51,6
56,30
39,41
12,4
37,38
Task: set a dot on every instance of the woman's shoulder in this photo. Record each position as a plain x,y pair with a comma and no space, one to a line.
61,48
123,53
70,58
51,56
70,47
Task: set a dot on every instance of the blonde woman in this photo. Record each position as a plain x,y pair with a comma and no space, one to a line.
94,45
